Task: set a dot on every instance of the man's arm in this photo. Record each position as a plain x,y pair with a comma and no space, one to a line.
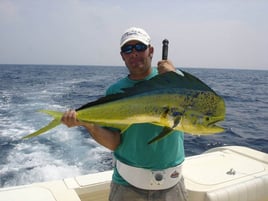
107,138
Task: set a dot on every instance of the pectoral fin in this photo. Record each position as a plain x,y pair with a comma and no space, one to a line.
166,131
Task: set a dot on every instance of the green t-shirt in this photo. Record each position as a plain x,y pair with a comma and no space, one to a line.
134,149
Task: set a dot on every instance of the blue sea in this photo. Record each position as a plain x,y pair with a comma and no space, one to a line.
67,152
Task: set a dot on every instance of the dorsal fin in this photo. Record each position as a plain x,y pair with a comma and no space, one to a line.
163,81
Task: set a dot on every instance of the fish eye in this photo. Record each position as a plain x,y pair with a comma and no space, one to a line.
176,113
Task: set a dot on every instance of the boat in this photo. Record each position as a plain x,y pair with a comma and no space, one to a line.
228,173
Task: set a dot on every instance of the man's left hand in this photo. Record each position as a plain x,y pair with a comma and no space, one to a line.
165,66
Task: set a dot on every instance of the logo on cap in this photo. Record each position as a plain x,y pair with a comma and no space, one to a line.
134,33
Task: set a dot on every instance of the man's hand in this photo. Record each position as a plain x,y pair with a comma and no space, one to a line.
109,139
165,66
69,119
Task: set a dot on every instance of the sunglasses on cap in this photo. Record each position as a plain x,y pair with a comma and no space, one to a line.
139,47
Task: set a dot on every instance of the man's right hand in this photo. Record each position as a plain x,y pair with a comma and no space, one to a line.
69,119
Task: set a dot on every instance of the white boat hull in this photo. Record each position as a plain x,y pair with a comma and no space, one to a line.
222,174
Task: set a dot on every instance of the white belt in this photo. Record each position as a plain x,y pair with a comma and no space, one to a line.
149,179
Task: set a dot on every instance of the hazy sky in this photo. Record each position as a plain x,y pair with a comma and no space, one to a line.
202,33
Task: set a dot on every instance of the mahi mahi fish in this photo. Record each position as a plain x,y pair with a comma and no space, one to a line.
175,101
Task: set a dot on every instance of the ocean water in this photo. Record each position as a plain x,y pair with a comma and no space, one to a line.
67,152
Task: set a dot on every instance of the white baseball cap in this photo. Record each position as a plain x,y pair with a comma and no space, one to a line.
135,33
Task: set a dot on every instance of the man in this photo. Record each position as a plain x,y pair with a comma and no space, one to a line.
142,172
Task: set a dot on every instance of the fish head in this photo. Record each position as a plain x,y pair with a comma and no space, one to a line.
199,124
202,114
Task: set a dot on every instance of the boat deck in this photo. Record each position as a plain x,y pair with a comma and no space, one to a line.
222,174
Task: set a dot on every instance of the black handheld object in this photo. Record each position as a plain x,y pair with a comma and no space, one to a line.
165,49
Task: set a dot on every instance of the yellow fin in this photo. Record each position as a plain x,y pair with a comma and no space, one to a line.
52,124
166,131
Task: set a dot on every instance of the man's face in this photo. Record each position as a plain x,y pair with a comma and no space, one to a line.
137,59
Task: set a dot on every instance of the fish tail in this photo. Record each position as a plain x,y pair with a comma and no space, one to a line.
55,122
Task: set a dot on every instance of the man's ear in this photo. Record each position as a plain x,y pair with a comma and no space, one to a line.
151,51
122,56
